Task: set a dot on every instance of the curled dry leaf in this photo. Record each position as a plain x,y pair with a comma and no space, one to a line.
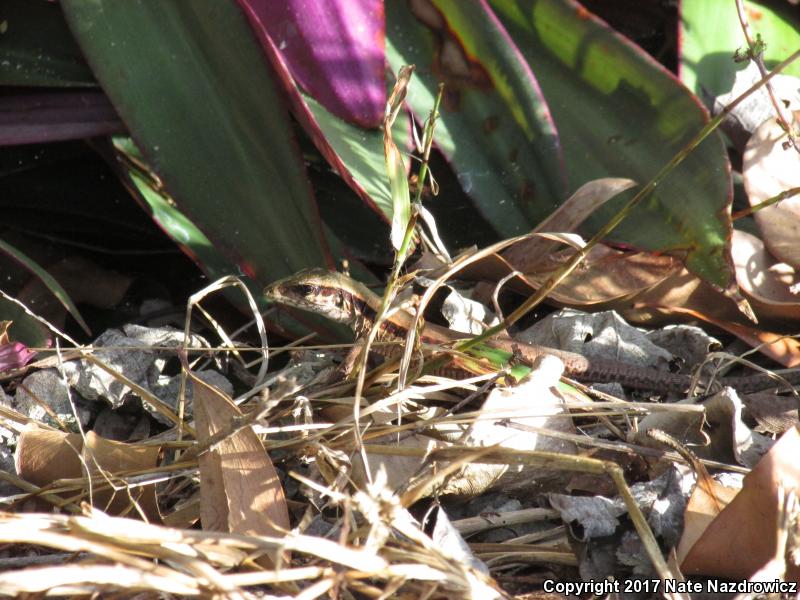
607,277
730,438
770,286
103,458
708,499
742,538
769,169
682,291
527,256
718,433
45,455
780,348
606,274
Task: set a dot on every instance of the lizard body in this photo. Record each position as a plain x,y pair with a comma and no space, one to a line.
339,298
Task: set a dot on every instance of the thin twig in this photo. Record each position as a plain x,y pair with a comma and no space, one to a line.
768,202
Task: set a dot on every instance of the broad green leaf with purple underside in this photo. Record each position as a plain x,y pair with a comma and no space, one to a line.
334,50
199,99
354,152
49,281
38,48
620,114
711,33
494,127
361,152
55,116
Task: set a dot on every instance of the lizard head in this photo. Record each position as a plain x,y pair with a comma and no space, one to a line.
327,293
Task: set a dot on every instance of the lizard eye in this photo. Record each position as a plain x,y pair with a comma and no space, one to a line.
305,290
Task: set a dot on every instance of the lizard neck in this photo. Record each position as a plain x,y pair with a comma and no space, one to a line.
363,306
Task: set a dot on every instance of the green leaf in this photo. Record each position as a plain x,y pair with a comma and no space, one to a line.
396,169
197,246
711,33
37,47
52,285
361,152
494,126
620,114
401,205
191,83
172,221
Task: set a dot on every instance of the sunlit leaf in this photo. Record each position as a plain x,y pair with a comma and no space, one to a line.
620,114
494,126
357,154
710,34
334,50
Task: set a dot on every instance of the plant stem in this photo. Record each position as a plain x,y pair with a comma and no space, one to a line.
755,50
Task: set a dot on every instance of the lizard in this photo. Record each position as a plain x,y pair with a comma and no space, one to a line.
345,300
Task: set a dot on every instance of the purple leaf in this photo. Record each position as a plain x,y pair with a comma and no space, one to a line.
14,356
334,50
28,118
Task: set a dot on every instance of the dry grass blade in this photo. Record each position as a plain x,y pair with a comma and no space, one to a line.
555,461
93,579
189,560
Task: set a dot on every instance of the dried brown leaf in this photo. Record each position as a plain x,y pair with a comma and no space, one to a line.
108,457
45,455
769,169
606,277
742,538
528,255
780,348
240,491
707,501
